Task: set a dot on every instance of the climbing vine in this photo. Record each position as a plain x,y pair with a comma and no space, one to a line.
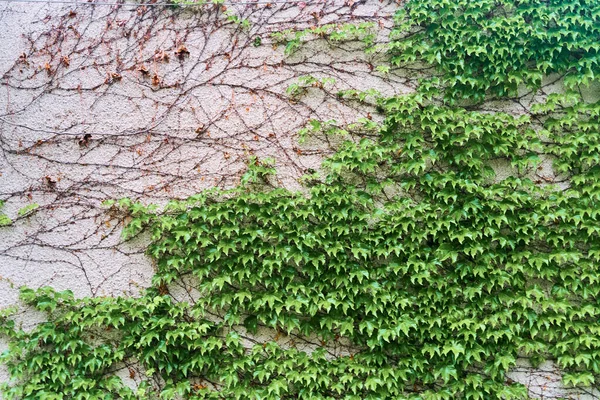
408,266
496,47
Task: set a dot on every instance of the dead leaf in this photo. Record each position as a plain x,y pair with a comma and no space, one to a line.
143,69
182,52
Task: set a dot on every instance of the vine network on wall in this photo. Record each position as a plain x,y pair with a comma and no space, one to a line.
408,249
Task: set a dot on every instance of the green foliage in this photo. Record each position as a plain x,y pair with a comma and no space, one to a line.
486,47
296,90
330,127
4,219
435,272
28,209
258,170
229,15
334,33
236,19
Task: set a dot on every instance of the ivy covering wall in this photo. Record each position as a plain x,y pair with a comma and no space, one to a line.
435,272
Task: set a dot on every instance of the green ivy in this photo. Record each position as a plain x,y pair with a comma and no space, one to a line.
492,47
407,250
296,90
28,209
4,219
334,33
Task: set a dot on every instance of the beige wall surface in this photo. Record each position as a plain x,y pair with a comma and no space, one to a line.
100,102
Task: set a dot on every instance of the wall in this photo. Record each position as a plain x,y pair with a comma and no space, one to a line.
152,103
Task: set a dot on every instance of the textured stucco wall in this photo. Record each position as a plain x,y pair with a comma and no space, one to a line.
95,104
183,126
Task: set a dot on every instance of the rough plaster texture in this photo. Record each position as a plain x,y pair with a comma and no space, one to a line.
102,102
